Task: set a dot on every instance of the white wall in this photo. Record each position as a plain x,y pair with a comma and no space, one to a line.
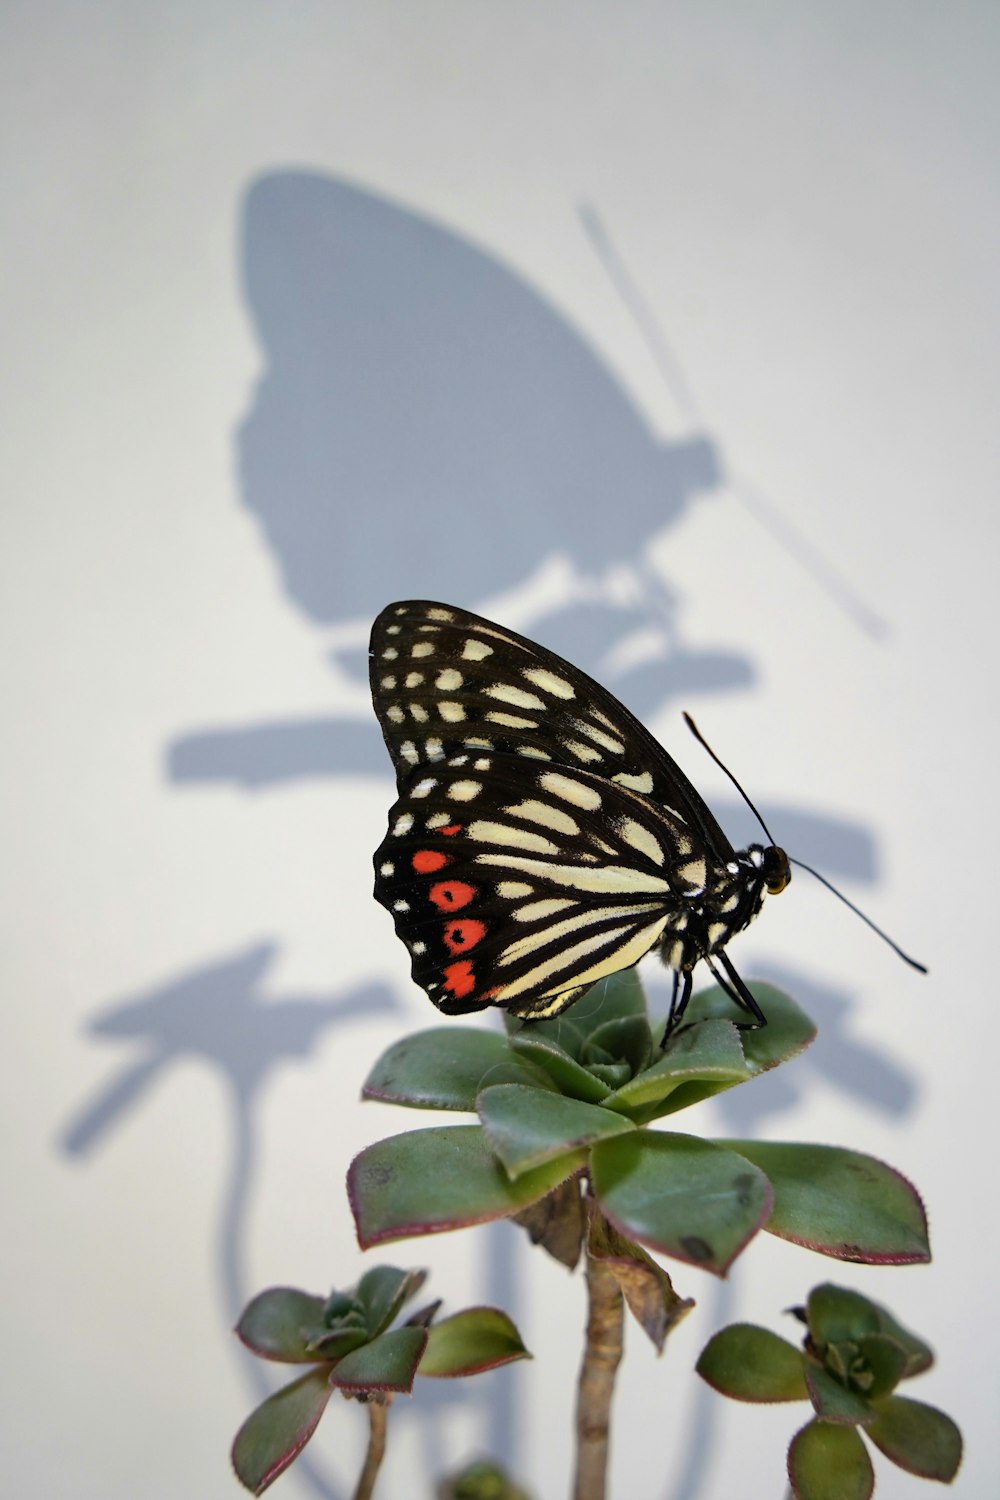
301,313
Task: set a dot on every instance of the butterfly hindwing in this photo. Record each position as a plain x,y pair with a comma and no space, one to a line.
514,883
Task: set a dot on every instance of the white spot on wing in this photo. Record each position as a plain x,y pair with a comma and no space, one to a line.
544,813
403,823
534,911
395,713
464,791
506,692
549,682
401,906
452,713
693,874
440,614
608,880
419,712
414,679
425,787
642,783
483,831
422,648
576,792
640,838
510,721
434,749
386,868
512,890
599,737
388,682
448,681
474,650
583,752
534,751
408,752
390,654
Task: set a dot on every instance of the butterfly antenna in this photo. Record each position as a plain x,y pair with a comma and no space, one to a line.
913,963
921,968
723,767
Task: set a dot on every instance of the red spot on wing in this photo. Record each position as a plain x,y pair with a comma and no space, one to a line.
449,895
452,828
460,936
459,979
426,861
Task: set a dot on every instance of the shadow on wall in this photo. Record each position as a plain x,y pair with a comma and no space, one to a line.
425,425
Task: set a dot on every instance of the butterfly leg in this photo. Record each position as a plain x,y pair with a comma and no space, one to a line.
677,1007
737,990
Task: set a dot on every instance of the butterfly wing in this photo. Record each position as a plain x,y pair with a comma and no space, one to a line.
542,838
518,884
444,680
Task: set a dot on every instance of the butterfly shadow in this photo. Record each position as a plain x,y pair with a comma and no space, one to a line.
427,424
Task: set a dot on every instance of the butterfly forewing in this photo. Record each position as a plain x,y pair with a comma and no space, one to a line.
542,838
443,679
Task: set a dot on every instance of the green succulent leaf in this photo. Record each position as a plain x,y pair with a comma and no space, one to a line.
827,1462
281,1322
787,1033
699,1061
527,1127
842,1203
834,1402
382,1291
917,1437
836,1313
426,1181
752,1364
568,1075
476,1339
625,1039
275,1434
445,1067
682,1196
881,1366
388,1363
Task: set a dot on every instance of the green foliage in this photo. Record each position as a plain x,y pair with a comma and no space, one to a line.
560,1143
569,1098
854,1355
349,1341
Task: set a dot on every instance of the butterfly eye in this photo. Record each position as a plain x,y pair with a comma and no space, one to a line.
777,870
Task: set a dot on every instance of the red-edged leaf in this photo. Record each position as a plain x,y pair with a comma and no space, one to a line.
275,1434
427,1181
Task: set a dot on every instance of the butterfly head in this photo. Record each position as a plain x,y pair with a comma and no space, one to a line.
776,869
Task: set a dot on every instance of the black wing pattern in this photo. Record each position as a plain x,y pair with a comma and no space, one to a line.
542,838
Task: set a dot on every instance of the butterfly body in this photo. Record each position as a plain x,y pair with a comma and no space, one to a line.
542,838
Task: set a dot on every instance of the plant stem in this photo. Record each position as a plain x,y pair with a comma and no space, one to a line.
378,1411
601,1359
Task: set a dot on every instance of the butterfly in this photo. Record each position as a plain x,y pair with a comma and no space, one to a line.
542,838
